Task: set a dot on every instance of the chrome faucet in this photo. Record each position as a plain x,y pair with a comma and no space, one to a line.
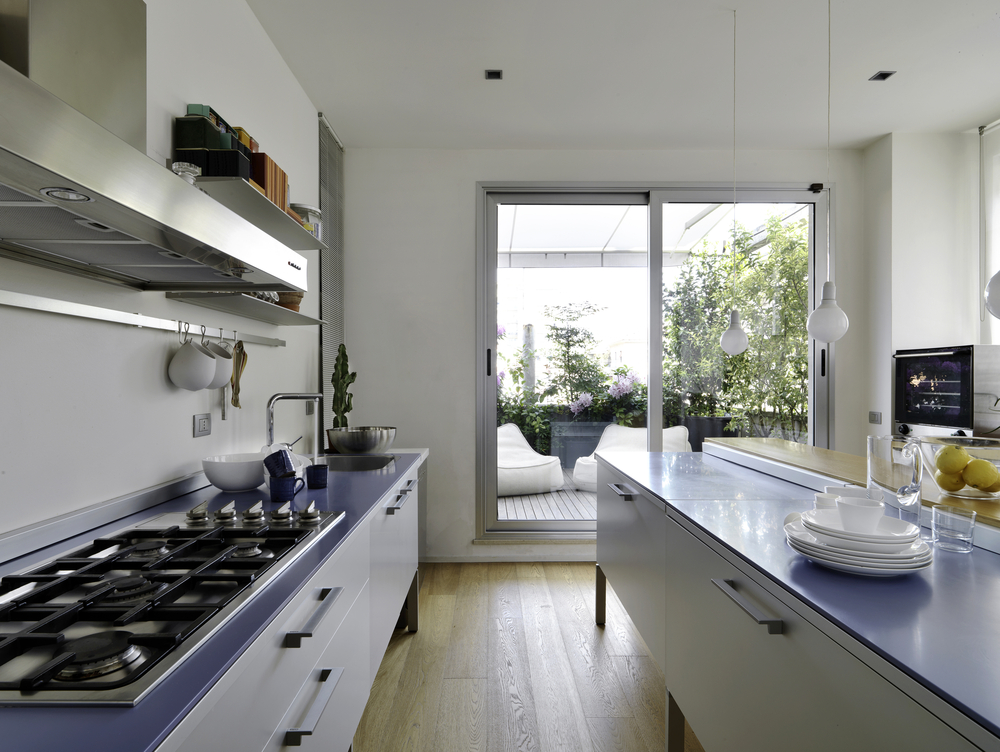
317,398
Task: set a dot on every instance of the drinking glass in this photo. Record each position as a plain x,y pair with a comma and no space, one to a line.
954,528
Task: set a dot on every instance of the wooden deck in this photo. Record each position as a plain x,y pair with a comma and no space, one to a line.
567,503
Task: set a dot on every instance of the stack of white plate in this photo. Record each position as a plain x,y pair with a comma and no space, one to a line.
892,549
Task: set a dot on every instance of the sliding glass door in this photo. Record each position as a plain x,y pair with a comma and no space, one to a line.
601,309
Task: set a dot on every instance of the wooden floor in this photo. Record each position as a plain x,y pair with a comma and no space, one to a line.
567,503
508,658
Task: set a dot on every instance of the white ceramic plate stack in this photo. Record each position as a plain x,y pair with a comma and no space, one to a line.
892,549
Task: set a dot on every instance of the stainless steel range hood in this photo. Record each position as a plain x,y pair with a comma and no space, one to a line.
137,224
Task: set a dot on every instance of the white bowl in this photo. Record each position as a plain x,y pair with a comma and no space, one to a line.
235,472
860,515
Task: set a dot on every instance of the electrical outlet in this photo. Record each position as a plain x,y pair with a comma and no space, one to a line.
310,408
875,417
202,425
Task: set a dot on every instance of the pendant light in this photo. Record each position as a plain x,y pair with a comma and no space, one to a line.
734,340
827,322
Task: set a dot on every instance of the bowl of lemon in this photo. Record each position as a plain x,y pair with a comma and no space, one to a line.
965,467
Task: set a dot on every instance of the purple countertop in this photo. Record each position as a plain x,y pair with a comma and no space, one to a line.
144,726
941,626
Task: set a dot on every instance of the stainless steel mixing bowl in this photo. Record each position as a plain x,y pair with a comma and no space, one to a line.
362,440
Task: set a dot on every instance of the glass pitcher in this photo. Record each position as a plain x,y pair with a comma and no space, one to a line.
895,466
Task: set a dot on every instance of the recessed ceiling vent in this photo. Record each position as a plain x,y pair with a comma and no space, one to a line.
882,75
494,75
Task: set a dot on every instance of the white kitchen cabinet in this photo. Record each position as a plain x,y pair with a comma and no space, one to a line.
247,706
394,545
631,553
780,686
328,707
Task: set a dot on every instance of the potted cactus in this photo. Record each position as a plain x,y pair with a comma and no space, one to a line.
342,378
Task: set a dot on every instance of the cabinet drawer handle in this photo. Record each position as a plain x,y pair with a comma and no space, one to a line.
327,597
400,500
774,626
409,486
623,491
328,677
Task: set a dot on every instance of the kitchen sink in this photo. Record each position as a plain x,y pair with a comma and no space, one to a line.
353,463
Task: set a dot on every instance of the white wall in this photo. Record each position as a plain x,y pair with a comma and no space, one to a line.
935,261
878,266
410,296
89,413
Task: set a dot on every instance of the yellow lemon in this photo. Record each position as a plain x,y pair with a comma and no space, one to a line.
951,459
994,488
980,473
949,481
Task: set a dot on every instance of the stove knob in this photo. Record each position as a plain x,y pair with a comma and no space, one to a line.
227,512
254,513
199,513
284,512
310,513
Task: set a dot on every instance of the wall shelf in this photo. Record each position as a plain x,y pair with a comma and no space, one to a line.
245,305
241,197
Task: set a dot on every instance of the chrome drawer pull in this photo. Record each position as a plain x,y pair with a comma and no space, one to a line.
329,678
623,491
774,626
327,597
409,486
400,500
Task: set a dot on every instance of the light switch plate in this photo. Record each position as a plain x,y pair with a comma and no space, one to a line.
202,425
875,417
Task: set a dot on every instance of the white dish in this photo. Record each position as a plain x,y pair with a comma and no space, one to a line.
795,530
854,544
888,528
861,561
862,570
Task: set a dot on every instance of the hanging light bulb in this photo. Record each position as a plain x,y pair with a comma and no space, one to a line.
734,339
993,295
827,322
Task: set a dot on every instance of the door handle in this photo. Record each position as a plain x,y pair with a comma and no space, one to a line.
624,492
409,486
774,626
329,678
327,597
400,500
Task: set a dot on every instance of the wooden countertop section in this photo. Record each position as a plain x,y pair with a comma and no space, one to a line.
847,468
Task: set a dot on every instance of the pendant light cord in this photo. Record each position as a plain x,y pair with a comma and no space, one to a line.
829,88
733,274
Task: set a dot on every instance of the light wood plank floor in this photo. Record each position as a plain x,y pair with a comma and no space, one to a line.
508,658
567,503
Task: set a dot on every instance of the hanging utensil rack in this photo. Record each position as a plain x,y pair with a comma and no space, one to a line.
81,310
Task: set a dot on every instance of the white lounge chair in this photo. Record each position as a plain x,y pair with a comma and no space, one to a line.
621,439
520,469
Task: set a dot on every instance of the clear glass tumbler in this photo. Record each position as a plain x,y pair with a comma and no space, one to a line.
954,528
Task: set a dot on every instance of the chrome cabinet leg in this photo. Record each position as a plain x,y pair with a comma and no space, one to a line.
412,603
601,596
675,726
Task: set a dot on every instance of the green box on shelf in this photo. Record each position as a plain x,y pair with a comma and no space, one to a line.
229,163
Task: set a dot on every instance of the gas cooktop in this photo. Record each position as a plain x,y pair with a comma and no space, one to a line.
103,624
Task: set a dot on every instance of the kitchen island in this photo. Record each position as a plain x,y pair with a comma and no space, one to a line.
184,706
762,649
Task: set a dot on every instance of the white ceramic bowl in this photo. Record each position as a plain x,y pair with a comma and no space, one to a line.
860,515
235,472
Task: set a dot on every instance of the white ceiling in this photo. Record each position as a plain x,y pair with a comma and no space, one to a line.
638,74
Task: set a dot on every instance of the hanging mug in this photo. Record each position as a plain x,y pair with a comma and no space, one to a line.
192,367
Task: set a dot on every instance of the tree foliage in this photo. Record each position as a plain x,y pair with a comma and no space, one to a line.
573,366
765,389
